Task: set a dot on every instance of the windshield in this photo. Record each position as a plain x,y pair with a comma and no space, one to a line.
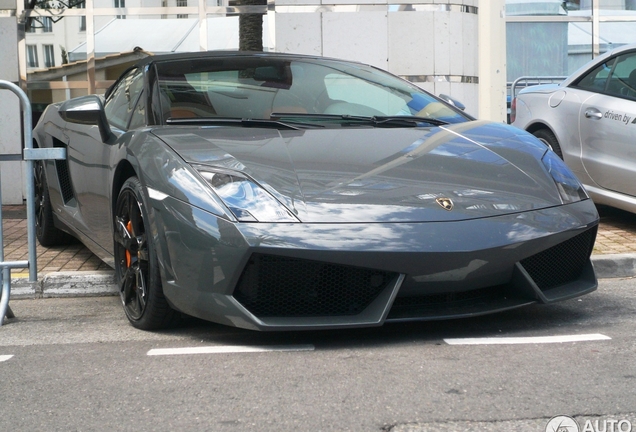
315,89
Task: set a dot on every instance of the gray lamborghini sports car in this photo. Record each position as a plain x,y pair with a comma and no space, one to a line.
590,120
272,191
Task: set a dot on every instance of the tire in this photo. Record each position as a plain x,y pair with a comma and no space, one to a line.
547,137
136,266
45,230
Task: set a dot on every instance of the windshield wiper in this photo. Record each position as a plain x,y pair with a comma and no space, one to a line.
378,121
408,119
242,122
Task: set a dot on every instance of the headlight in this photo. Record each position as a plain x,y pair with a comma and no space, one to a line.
567,184
248,201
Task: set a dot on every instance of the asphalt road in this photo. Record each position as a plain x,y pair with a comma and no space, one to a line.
76,364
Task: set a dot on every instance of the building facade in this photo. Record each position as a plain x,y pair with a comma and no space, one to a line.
467,49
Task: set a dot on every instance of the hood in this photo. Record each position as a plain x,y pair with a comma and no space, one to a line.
454,172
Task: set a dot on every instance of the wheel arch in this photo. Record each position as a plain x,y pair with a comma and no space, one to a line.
123,172
538,126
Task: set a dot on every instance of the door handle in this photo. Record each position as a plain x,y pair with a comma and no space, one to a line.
593,114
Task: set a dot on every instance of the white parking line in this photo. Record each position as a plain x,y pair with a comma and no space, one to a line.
5,357
526,340
227,349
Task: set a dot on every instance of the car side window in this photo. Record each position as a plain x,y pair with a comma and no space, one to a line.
596,79
121,102
623,80
138,118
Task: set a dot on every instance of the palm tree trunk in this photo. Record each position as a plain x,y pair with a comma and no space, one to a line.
251,28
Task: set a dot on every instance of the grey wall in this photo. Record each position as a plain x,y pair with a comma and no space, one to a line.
10,119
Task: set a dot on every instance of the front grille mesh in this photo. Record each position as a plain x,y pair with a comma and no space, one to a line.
562,263
275,286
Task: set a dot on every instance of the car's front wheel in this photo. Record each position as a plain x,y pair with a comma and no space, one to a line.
550,140
136,266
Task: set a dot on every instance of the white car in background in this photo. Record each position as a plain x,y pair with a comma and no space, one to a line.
589,120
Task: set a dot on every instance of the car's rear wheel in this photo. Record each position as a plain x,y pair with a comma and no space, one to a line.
136,266
548,138
45,230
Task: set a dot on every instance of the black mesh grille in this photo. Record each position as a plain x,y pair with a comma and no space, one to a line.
562,263
63,175
290,287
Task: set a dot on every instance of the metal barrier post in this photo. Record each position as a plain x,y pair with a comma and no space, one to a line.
30,155
533,80
5,276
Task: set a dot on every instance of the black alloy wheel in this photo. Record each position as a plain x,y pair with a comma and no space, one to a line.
136,267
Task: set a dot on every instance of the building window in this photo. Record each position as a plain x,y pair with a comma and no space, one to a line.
47,24
82,26
32,56
49,56
554,38
120,4
182,3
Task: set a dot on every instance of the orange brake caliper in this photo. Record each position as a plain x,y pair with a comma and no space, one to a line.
129,229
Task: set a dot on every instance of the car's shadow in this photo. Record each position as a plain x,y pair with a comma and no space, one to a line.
616,216
575,316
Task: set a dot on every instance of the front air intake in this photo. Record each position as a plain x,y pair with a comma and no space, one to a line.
562,263
275,286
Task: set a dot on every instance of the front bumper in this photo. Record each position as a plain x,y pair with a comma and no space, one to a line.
307,276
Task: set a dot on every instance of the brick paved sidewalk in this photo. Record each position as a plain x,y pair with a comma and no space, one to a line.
72,257
617,235
617,232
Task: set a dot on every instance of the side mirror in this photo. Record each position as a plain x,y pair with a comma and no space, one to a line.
87,110
454,102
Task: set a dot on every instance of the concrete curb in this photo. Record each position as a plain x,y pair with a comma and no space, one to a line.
102,283
614,265
66,284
